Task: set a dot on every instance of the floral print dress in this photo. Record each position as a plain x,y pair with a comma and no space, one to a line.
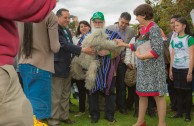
151,80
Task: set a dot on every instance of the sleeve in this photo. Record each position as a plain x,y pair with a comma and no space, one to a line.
156,41
127,56
69,47
191,41
52,26
172,44
26,10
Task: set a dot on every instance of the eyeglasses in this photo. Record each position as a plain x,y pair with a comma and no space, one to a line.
97,22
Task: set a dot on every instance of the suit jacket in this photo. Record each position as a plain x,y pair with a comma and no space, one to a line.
169,35
129,32
62,59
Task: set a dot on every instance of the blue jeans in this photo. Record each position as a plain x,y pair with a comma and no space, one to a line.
37,87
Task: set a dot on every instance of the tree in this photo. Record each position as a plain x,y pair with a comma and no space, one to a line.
165,9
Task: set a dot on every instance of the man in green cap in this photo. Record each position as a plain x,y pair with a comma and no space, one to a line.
105,79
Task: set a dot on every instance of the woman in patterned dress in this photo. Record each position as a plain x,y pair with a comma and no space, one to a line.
150,65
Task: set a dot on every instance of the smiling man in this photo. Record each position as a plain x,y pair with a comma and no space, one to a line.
126,33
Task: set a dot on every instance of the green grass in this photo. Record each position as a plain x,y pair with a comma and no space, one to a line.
125,120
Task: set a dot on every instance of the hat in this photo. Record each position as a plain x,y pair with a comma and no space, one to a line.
98,15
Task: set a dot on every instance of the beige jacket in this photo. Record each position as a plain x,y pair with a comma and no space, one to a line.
45,43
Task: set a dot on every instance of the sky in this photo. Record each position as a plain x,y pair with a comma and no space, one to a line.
111,9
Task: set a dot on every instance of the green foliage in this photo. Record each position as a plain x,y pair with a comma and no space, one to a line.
165,9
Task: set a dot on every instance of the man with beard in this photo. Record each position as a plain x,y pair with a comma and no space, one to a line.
105,79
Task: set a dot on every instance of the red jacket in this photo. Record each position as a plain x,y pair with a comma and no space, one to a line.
18,10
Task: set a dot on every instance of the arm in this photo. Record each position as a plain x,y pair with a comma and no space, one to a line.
69,47
156,43
26,10
171,63
53,32
189,75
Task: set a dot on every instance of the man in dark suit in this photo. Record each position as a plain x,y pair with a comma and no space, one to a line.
171,90
126,33
61,84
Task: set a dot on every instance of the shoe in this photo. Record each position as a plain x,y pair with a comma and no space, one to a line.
124,112
71,111
177,116
38,123
68,121
135,114
143,124
79,114
94,120
187,118
110,119
151,113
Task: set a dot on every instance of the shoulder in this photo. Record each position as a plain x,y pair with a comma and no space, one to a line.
111,27
129,28
155,28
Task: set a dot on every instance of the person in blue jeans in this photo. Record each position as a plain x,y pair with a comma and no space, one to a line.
39,42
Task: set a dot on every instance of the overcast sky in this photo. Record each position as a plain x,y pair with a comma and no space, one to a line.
111,8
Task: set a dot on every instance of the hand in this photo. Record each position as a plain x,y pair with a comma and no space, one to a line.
120,43
138,55
130,66
89,50
103,52
189,77
170,75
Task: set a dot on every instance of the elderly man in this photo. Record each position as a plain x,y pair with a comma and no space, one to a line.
105,80
126,33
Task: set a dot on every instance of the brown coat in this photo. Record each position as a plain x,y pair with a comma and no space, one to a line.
45,43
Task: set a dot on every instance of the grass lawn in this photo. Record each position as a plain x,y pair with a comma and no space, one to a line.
125,120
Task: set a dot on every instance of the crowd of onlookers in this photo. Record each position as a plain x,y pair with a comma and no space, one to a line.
135,78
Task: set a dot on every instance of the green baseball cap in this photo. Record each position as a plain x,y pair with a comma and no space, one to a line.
98,15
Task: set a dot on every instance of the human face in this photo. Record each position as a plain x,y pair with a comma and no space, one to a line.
123,23
84,29
140,19
172,25
64,19
98,23
179,27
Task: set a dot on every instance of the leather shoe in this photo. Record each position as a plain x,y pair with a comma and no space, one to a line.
68,121
124,112
110,119
94,120
187,118
177,116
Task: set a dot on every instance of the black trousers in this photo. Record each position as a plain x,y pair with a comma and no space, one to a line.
133,98
171,90
109,103
82,94
121,87
184,101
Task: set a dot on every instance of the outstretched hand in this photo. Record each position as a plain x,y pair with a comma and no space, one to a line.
120,43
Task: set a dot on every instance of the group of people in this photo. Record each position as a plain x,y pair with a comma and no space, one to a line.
44,65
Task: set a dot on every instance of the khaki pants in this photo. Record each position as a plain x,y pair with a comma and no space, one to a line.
15,109
61,90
